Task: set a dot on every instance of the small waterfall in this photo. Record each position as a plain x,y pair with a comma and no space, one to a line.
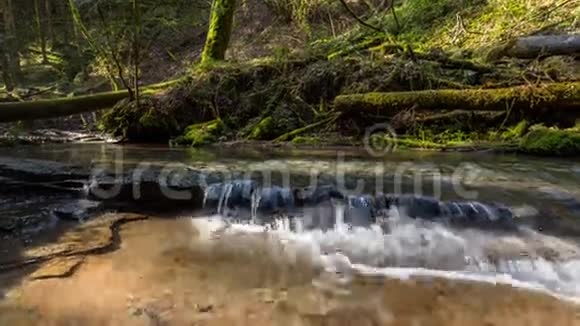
325,208
256,200
397,235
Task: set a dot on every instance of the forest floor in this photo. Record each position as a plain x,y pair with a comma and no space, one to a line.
282,77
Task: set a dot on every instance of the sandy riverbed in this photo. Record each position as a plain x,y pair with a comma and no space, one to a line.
163,275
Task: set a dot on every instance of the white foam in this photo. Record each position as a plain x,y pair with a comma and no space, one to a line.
414,249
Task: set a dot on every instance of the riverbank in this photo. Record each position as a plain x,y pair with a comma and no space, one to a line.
302,102
425,71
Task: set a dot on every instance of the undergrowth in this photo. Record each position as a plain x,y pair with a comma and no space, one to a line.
272,98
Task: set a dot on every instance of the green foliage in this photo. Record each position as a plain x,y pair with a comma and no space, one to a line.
515,132
496,21
419,17
472,26
551,141
302,12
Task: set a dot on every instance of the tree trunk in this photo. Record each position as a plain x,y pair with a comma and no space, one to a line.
38,11
49,23
136,47
42,109
557,96
532,47
64,25
11,57
6,75
220,29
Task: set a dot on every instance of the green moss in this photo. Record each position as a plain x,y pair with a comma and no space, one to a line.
418,143
263,130
220,29
515,132
202,133
550,141
144,122
522,97
307,140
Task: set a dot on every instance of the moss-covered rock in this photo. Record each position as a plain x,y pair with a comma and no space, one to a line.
550,141
202,133
145,121
263,130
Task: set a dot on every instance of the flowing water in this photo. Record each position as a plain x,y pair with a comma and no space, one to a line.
257,213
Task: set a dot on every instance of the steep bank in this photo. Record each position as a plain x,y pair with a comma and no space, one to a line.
290,95
294,100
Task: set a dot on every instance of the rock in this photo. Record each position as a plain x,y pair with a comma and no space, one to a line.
456,212
315,195
135,311
58,268
204,308
40,170
232,195
360,211
95,236
78,210
8,224
150,186
275,200
414,206
474,213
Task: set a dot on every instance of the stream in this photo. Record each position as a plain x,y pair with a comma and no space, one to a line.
286,223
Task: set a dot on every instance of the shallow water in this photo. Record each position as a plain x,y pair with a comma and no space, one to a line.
402,248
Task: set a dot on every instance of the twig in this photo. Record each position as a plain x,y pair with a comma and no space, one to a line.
355,16
394,12
298,131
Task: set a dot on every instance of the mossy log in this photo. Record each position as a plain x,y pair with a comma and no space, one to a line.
558,96
51,108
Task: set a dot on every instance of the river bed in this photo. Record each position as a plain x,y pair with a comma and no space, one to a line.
195,268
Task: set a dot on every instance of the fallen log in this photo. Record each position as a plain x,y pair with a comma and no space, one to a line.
561,96
531,47
51,108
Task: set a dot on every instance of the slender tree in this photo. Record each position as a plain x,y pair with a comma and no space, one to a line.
10,57
40,28
49,22
136,47
220,29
